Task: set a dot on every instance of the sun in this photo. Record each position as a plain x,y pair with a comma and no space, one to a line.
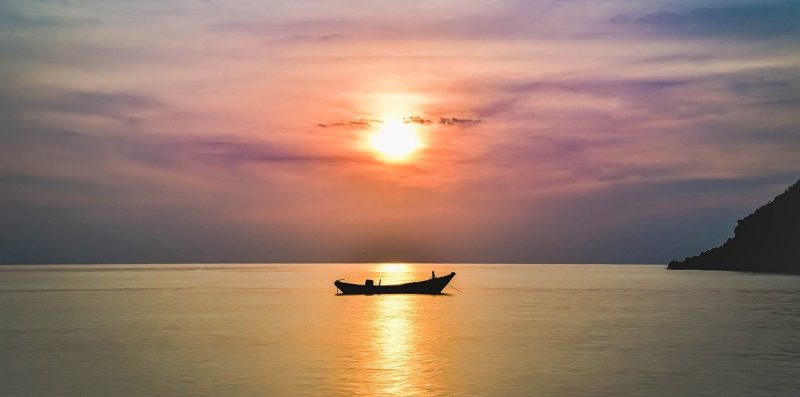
395,141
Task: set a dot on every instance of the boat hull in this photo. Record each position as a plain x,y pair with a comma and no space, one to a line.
433,286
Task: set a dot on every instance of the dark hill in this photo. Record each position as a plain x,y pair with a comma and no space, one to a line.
768,240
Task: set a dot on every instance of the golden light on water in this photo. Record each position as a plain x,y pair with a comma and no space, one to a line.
395,141
394,344
393,267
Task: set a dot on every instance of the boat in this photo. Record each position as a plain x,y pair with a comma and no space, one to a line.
433,286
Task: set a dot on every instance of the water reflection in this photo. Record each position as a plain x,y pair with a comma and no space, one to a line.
394,273
394,343
392,267
394,340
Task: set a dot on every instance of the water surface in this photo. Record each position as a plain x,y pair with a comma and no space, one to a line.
515,330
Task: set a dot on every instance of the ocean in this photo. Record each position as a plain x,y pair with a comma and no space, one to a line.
501,330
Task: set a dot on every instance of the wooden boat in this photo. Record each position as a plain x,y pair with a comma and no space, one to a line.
433,286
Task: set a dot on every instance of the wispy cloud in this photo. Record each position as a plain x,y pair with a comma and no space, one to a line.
458,121
367,123
352,124
751,20
417,120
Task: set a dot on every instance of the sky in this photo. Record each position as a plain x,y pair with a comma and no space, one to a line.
238,131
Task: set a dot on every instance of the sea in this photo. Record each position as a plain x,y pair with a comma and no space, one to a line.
500,330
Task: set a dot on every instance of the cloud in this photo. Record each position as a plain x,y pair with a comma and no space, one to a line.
458,121
34,102
417,120
510,95
755,20
235,152
307,38
352,124
366,123
14,18
792,103
600,87
96,102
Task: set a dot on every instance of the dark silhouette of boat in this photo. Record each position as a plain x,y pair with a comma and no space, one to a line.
433,286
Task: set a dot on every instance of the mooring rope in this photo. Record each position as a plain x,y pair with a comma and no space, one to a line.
451,286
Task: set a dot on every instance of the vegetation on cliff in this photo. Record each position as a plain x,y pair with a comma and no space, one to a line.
768,240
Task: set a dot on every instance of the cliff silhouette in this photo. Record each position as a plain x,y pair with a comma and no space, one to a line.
768,240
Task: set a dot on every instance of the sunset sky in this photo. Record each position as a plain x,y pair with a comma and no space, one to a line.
536,131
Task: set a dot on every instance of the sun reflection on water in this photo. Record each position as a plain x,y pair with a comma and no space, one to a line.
394,273
395,343
392,267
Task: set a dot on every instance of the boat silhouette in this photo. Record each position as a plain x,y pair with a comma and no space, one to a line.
433,286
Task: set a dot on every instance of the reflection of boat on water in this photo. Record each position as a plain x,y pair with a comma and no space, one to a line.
433,286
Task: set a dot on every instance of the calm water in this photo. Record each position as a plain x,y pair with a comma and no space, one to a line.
279,330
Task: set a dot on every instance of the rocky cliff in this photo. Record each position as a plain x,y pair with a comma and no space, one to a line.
768,240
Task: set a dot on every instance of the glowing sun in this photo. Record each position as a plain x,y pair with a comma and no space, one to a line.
395,141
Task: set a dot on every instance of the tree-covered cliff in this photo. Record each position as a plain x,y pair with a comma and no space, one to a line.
768,240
